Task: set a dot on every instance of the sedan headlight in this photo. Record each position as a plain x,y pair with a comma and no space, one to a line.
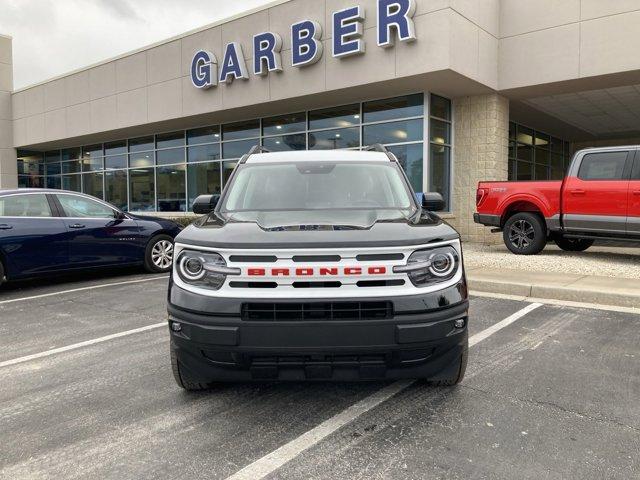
202,269
427,267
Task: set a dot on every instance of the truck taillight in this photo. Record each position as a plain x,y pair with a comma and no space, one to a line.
480,194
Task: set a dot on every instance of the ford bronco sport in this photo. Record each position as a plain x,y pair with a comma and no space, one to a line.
318,266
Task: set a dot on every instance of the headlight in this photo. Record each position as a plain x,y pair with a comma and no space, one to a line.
202,269
426,267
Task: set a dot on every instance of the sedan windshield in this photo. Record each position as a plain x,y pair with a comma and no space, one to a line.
317,186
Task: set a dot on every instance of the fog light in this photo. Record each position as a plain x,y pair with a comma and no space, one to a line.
176,327
460,323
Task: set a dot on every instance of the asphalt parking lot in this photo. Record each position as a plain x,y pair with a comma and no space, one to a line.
87,392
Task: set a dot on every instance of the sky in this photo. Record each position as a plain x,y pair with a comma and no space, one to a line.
52,37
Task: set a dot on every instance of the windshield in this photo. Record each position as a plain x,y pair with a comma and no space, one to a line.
317,186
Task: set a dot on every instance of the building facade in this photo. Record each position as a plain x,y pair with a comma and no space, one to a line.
459,90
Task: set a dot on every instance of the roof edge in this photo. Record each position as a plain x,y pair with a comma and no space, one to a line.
273,3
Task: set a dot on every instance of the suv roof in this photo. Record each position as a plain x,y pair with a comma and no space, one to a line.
319,156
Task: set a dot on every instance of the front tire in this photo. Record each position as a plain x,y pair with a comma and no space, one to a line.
1,273
455,374
158,257
182,376
525,234
573,244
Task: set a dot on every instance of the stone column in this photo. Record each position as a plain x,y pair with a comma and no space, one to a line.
8,167
480,152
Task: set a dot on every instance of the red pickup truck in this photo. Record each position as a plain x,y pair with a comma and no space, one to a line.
598,199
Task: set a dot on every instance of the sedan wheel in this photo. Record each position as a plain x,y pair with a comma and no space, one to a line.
159,254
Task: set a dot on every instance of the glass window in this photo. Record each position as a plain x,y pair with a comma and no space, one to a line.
70,154
71,167
286,143
525,152
325,186
238,130
171,189
169,140
75,206
203,135
23,181
542,140
393,132
440,171
294,122
542,172
52,157
227,170
203,153
556,145
116,188
524,171
336,117
24,206
392,108
332,139
603,166
203,179
141,144
72,183
54,182
167,157
237,149
92,184
411,160
115,148
53,168
440,132
90,164
512,131
92,151
525,135
542,156
440,107
30,163
115,162
141,159
142,189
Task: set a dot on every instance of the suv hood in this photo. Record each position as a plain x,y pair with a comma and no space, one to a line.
316,229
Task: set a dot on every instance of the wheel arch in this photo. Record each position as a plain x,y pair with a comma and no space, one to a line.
522,204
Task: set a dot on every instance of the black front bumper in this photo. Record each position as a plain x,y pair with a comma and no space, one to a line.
417,339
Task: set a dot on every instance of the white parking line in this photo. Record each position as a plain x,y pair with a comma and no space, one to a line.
82,289
75,346
276,459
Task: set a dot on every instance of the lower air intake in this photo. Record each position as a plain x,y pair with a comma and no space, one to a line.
279,312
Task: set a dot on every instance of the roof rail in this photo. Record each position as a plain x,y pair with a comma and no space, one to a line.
377,147
252,151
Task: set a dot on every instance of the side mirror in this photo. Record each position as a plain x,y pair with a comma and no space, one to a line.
433,202
205,204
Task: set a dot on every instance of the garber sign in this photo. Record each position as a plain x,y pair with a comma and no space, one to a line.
395,19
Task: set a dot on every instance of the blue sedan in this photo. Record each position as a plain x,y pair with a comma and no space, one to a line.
43,232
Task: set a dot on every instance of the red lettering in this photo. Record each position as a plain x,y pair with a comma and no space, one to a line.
256,272
377,270
328,271
304,272
353,271
280,271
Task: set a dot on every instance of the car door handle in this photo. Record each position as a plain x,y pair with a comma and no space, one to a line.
578,192
4,226
76,225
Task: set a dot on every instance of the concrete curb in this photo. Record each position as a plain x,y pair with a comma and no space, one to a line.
620,292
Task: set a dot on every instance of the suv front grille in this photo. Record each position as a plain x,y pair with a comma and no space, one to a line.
277,312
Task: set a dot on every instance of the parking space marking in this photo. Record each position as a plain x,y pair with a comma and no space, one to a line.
271,462
75,346
81,289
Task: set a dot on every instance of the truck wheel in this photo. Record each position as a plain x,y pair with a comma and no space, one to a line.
525,234
182,377
573,244
456,373
158,257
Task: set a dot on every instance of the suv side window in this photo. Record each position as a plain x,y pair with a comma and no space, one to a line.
603,166
25,206
81,207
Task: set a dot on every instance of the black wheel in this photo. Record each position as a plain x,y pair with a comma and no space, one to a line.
573,244
1,273
182,376
525,234
158,257
455,374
